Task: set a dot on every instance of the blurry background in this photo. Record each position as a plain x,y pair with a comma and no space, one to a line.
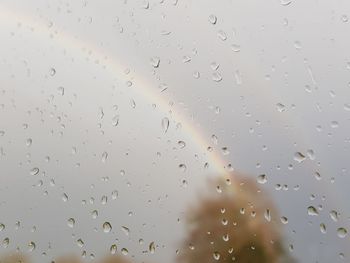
113,115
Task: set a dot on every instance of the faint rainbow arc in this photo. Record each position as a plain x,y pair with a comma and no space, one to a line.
68,41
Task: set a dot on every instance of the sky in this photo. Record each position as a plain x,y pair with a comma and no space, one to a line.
149,99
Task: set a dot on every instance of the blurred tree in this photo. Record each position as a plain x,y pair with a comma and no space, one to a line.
237,224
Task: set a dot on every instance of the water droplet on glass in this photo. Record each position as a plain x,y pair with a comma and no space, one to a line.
106,227
216,255
113,249
6,242
267,215
342,232
280,107
299,157
104,157
71,222
94,214
181,144
262,179
212,19
225,151
222,35
152,247
52,71
29,142
31,246
334,215
284,220
60,91
155,61
344,18
126,230
216,76
124,251
34,171
64,197
182,167
165,124
80,242
312,211
323,228
286,2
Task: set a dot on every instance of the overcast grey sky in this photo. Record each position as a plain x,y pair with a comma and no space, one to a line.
86,86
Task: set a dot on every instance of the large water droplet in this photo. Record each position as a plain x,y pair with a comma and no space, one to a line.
104,157
113,249
155,61
71,222
342,232
34,171
106,227
216,255
31,246
165,124
299,157
212,19
152,247
262,179
312,211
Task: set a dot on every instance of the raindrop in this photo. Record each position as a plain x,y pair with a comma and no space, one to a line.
217,77
344,18
214,65
342,232
155,61
267,215
165,124
284,220
80,242
299,157
126,230
216,255
182,167
29,142
124,251
334,215
34,171
236,48
311,154
60,91
6,242
104,157
297,45
222,35
64,197
286,2
181,144
212,19
114,195
152,247
113,249
2,227
312,211
31,246
280,107
106,227
225,151
323,228
94,214
52,71
71,222
262,179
